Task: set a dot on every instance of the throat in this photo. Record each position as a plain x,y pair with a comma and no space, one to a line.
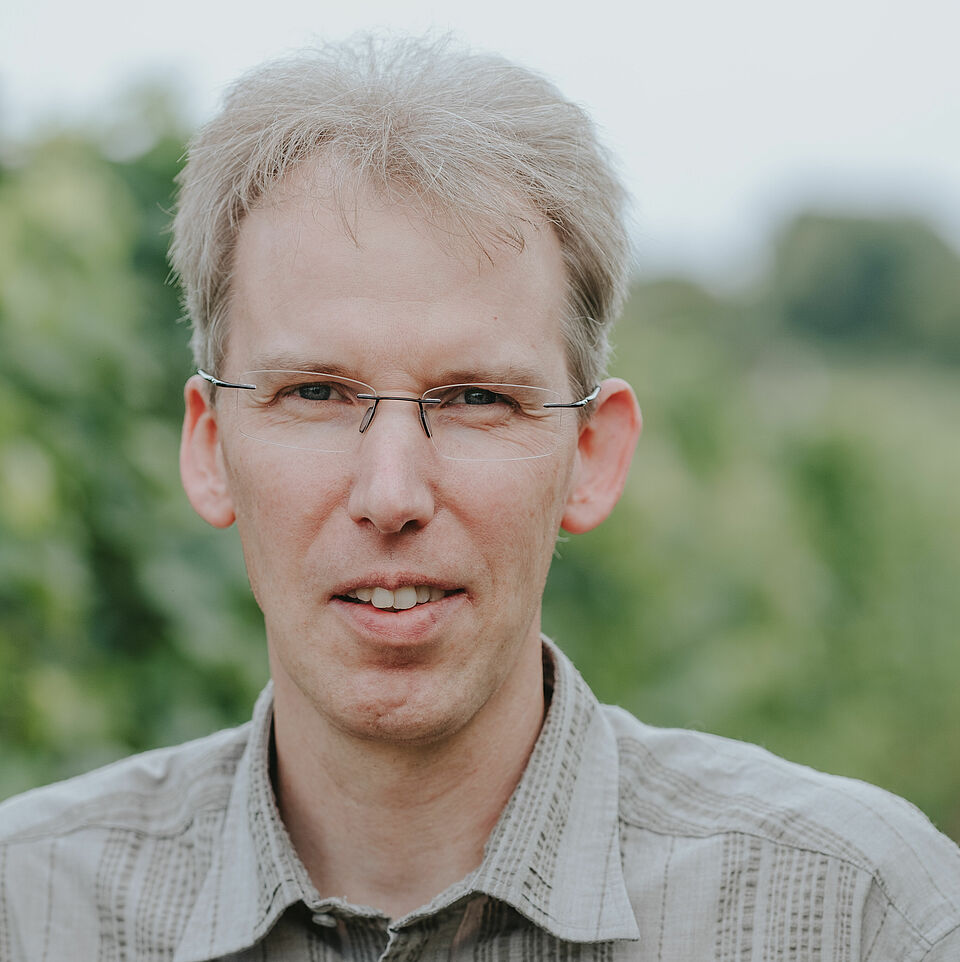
395,843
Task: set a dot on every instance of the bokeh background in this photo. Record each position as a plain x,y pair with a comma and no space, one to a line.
785,564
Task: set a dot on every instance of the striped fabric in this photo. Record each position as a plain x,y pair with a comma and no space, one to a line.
621,842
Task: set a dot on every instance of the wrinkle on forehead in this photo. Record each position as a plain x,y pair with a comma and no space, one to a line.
300,228
324,185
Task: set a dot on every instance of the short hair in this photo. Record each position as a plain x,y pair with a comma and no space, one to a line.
473,137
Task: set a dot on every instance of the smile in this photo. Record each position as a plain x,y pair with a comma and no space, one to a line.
399,599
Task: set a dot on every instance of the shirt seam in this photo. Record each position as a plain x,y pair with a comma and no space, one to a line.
940,939
26,837
793,846
928,941
624,743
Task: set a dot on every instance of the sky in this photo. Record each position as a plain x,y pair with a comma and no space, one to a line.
726,117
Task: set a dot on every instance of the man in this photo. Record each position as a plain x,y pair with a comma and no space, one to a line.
401,262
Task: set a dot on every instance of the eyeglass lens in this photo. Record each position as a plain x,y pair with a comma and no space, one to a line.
467,422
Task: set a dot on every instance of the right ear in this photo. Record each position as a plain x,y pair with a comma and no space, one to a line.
201,460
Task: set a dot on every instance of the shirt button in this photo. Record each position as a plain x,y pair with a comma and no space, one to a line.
325,919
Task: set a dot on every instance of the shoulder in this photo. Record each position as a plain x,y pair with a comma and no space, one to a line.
72,853
152,793
787,830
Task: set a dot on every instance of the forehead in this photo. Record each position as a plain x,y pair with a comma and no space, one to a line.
378,281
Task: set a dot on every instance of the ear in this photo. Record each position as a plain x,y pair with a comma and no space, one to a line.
201,460
604,451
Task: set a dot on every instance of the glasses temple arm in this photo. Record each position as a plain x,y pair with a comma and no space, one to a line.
216,382
583,402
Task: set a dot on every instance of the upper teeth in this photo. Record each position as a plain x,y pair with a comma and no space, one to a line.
399,598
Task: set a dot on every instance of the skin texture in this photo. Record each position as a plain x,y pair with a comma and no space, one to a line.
421,721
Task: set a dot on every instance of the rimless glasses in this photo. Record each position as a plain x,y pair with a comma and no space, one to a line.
314,411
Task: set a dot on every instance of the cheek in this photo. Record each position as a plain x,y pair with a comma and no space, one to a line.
280,501
269,482
518,512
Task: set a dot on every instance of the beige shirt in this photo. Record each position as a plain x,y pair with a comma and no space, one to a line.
621,842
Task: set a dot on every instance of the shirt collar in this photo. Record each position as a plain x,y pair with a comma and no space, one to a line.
554,854
254,875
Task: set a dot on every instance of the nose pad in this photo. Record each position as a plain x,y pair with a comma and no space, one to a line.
368,417
371,411
425,421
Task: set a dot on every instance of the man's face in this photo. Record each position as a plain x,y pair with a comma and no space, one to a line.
404,308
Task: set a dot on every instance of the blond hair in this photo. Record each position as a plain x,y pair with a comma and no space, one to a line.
473,137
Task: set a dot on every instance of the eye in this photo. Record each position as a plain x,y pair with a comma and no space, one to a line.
315,392
484,400
479,395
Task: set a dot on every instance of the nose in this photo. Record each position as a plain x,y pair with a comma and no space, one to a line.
393,482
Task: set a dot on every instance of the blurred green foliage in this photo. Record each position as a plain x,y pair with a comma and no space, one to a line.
892,284
783,567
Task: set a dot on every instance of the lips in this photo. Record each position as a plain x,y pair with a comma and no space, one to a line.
400,597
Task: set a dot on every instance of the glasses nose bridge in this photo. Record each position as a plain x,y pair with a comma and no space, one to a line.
371,411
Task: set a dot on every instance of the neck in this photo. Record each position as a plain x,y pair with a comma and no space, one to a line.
399,823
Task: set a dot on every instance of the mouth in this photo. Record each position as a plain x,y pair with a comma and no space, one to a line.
397,599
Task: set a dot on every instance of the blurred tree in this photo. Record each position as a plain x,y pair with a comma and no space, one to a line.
878,283
107,639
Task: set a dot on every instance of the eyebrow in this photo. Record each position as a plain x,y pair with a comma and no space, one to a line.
297,362
511,373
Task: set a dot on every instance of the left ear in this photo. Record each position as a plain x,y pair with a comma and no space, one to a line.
604,451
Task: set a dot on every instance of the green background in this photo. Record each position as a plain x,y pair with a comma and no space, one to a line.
784,566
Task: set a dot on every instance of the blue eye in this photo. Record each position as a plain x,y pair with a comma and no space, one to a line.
479,395
314,392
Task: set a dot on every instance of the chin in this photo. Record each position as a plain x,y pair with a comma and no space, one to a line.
403,724
410,712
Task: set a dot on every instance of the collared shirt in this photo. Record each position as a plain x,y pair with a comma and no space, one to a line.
621,842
